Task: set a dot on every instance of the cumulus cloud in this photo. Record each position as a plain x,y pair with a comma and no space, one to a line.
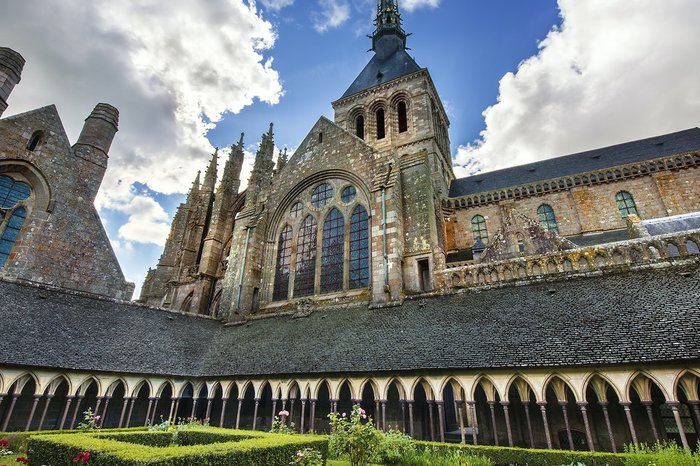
411,5
613,72
147,223
276,4
172,72
330,14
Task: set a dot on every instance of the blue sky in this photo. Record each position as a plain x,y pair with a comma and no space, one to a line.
521,80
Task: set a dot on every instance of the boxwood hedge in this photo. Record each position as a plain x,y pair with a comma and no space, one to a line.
230,447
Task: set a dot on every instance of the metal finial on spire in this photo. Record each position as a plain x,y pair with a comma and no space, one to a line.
240,142
388,24
270,133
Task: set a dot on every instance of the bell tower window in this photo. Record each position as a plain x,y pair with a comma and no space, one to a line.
360,126
381,133
402,116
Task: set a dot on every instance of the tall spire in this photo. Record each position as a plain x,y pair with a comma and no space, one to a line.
388,35
232,169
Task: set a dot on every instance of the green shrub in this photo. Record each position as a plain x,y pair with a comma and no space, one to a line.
395,447
253,450
19,440
149,439
661,454
354,436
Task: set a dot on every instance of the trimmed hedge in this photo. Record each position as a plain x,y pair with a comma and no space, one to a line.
255,449
505,456
213,435
149,439
19,440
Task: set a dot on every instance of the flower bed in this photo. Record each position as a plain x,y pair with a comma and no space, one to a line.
201,445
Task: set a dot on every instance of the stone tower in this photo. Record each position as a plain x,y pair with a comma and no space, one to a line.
11,65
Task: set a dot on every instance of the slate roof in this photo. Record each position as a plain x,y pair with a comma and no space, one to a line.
597,159
643,316
676,223
605,237
380,71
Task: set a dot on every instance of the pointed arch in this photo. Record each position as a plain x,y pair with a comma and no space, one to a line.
598,377
114,385
399,386
559,384
54,383
284,260
318,386
333,252
305,269
85,384
640,381
488,385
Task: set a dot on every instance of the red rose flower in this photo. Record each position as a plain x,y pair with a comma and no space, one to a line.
22,460
3,442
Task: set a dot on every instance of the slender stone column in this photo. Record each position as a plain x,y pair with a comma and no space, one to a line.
194,408
383,403
431,405
274,408
123,413
648,405
626,406
173,410
77,409
543,410
131,411
255,413
312,414
462,434
177,409
43,413
303,415
677,416
410,419
565,412
69,400
403,416
589,436
505,405
238,413
148,411
156,400
377,414
441,419
104,410
291,409
31,413
208,414
529,424
475,425
97,405
9,411
334,406
606,415
223,412
695,404
492,408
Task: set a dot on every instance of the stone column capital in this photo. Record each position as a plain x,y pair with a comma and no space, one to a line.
505,403
673,404
582,404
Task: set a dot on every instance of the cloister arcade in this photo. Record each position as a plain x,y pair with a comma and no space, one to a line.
565,409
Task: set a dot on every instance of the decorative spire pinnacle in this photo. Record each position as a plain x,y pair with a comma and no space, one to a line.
210,174
388,35
282,160
194,190
232,168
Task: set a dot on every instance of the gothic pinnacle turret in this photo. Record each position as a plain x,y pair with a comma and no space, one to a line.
263,168
388,35
194,190
210,175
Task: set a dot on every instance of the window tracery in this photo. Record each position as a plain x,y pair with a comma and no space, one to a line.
548,220
625,204
305,273
12,213
479,228
332,252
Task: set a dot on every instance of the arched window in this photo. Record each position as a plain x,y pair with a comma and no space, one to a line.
12,215
332,252
479,228
284,259
305,271
360,126
547,219
625,204
402,116
380,124
359,248
34,140
296,210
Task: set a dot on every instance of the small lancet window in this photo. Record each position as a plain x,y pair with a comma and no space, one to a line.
34,140
625,204
284,260
403,116
360,126
320,137
547,219
380,124
305,269
359,248
479,229
332,252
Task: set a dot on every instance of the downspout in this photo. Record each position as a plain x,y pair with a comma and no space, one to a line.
242,272
385,253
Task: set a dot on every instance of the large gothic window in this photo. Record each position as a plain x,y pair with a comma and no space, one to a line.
284,259
479,228
12,213
332,252
625,204
359,248
305,272
547,219
321,195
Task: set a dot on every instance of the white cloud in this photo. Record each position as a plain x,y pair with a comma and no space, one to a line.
331,14
613,72
147,223
276,4
411,5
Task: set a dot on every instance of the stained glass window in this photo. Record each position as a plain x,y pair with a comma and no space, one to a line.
479,228
625,204
547,219
333,252
321,195
14,224
403,117
284,259
11,192
348,194
305,271
359,248
296,210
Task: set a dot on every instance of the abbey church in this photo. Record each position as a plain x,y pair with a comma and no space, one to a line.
548,305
